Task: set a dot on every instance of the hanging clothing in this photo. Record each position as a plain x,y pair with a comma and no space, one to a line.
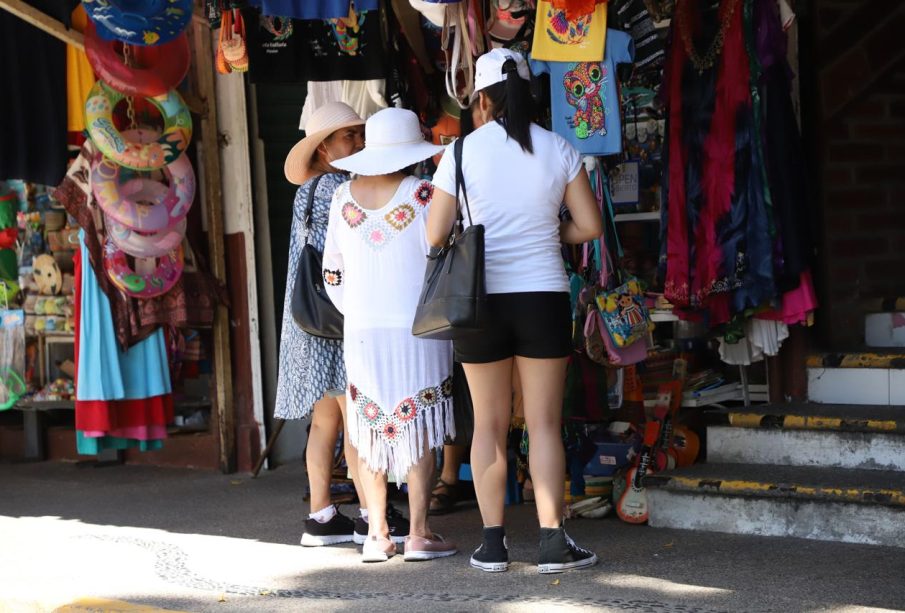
313,9
105,371
33,104
309,365
113,424
585,97
365,97
400,386
762,338
79,76
343,49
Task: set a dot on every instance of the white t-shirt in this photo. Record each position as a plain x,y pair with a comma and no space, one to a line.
517,197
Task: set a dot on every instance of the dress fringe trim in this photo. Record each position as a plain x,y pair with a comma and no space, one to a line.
393,442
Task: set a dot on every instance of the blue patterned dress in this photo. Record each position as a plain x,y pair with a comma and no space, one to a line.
309,365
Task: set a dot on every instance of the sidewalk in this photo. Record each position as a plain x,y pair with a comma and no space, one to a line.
196,541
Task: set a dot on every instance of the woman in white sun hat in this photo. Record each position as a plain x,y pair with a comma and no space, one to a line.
312,373
517,175
400,387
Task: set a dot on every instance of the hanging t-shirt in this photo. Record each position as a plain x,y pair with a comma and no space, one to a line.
561,35
274,48
585,99
313,9
343,49
79,76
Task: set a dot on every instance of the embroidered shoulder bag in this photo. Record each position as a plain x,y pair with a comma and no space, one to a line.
311,307
622,307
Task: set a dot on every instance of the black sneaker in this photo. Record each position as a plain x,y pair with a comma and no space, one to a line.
339,529
493,554
558,552
399,527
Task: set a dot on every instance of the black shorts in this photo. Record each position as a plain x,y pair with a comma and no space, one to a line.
527,324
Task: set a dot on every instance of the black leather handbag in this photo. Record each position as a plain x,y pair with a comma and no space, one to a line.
453,301
311,307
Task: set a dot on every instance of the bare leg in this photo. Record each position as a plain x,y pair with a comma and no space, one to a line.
491,394
453,456
543,382
352,457
420,478
325,423
374,486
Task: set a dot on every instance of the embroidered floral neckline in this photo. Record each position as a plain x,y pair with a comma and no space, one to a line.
379,226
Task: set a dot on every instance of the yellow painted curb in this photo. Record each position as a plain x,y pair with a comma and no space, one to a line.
857,360
813,422
102,605
737,486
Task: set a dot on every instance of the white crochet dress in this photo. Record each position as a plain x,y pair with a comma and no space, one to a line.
400,387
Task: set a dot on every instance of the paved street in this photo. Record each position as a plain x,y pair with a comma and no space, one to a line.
97,538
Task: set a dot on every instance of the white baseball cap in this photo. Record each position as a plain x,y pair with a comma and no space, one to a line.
489,68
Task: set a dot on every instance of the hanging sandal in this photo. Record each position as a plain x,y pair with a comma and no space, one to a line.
443,501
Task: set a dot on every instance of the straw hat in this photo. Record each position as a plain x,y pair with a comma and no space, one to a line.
324,121
393,141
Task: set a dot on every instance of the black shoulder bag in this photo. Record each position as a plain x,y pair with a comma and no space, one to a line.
312,309
453,300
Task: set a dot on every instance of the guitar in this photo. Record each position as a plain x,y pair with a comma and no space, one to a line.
632,507
665,457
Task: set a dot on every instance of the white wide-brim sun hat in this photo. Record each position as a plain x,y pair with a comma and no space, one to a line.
324,121
393,141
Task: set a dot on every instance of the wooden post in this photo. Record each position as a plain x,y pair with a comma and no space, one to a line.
33,16
213,205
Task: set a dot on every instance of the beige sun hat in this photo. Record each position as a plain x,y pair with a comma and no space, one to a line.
323,122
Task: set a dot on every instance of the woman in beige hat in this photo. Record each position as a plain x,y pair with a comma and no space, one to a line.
312,374
400,386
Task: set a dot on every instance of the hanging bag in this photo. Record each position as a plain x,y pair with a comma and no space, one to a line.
312,309
234,48
12,356
622,307
453,301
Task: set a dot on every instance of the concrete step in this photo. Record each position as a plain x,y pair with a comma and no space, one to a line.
829,504
806,434
858,377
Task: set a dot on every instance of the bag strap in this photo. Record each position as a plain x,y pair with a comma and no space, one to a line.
460,179
310,205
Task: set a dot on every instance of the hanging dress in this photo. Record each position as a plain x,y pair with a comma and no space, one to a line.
309,365
400,386
123,397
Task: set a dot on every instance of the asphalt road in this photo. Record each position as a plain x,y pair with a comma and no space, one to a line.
196,541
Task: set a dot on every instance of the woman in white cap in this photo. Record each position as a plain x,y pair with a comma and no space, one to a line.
517,175
312,374
400,387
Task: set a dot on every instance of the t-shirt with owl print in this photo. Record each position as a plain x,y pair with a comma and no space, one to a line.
585,97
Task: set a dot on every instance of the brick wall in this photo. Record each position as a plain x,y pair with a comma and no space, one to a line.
860,134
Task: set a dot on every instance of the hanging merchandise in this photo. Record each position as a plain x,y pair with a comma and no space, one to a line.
79,75
147,71
274,48
448,127
566,34
12,355
139,22
343,49
161,275
585,97
141,203
177,131
509,23
314,9
232,45
461,41
144,245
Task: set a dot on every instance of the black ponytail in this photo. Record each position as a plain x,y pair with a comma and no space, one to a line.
512,105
